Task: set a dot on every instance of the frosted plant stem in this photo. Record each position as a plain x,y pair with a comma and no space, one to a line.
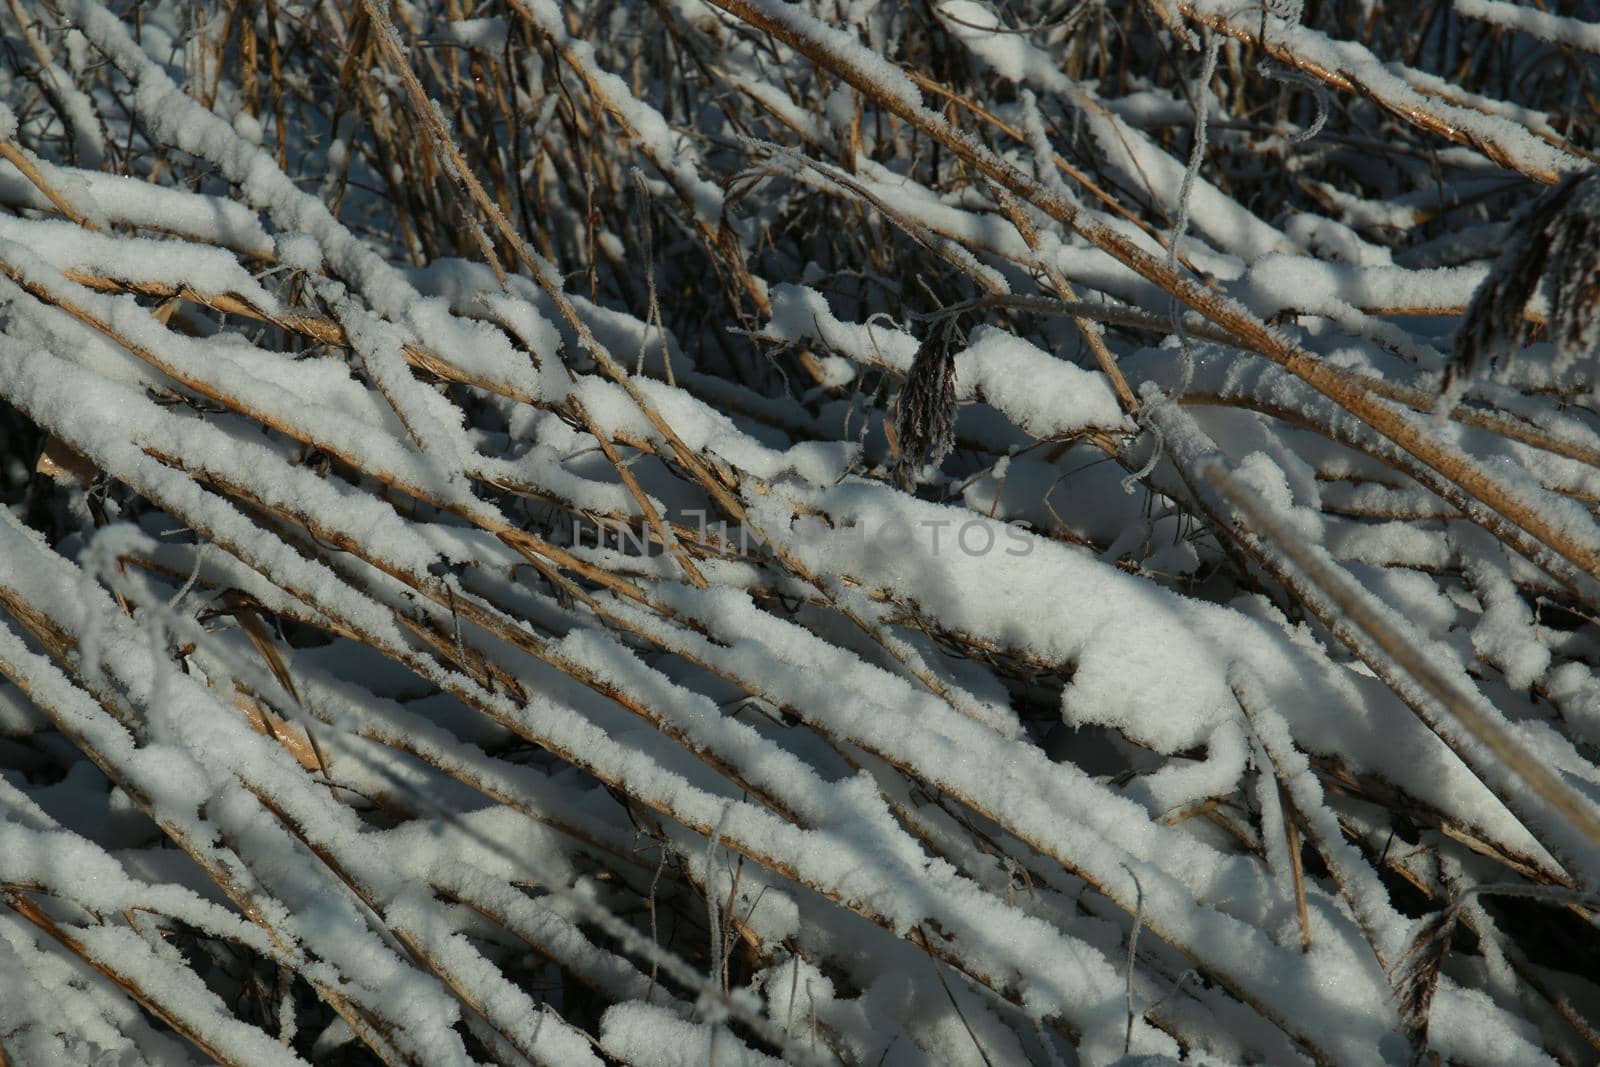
1358,607
713,917
1180,226
1133,957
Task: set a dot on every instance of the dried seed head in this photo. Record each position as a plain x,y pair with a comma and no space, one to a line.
925,409
1287,10
1555,242
1575,274
1417,978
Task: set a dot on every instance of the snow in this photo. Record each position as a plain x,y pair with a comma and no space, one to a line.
486,33
327,717
1556,29
651,1037
1042,394
178,264
206,218
1276,283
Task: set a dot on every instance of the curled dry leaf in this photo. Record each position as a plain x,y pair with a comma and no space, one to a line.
61,461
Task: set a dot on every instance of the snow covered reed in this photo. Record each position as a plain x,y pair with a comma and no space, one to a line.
738,531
